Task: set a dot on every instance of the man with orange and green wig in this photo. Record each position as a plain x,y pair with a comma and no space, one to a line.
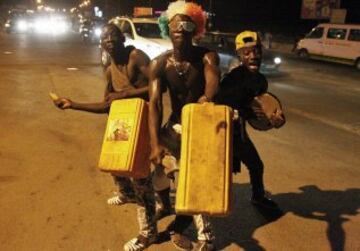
191,74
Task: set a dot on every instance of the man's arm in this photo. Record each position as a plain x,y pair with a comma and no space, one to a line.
65,103
141,61
155,110
212,76
100,107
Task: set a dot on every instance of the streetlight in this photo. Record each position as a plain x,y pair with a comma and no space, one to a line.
39,1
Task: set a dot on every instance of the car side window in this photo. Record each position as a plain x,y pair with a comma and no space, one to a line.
127,30
225,44
316,33
219,41
354,35
335,33
206,39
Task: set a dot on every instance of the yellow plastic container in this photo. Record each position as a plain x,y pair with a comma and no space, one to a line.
126,148
205,177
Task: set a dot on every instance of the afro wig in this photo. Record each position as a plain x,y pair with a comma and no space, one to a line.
192,10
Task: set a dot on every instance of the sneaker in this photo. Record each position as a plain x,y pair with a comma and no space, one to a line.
205,246
264,202
181,242
140,243
120,200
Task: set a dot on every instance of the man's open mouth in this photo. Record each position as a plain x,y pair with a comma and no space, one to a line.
254,64
179,35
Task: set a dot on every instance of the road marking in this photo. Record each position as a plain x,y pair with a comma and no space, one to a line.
72,69
324,120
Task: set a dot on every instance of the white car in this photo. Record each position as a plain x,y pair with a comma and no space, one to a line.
332,42
143,33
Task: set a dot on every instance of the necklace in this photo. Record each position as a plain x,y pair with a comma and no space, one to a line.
181,67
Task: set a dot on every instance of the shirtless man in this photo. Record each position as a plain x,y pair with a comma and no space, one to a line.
127,77
191,74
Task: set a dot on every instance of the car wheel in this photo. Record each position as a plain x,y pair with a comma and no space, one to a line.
303,53
357,64
105,58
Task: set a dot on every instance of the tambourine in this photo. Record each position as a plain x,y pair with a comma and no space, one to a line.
267,112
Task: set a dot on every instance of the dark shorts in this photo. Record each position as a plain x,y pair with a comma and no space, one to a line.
245,152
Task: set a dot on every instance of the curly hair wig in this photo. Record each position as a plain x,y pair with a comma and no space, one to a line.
192,10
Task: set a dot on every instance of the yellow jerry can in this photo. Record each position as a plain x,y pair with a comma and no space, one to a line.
205,176
126,147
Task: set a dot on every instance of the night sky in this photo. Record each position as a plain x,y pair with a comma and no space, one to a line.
278,16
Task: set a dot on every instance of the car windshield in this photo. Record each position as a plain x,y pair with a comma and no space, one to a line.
315,33
148,30
220,42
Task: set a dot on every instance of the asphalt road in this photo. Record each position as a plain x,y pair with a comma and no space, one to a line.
52,197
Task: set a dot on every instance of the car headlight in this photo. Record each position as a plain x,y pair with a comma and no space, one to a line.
22,25
97,32
7,25
59,27
42,25
277,60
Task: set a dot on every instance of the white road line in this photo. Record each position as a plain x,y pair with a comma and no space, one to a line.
324,120
72,69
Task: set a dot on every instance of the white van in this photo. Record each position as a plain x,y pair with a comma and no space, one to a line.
332,42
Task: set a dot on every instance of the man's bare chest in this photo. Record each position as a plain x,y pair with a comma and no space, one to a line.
125,70
184,77
122,77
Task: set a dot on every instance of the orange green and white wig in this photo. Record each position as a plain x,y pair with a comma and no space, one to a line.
190,9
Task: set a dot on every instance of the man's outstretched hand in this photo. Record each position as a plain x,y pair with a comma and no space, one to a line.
277,119
61,103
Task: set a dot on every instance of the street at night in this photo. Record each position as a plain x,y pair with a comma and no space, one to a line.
53,197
